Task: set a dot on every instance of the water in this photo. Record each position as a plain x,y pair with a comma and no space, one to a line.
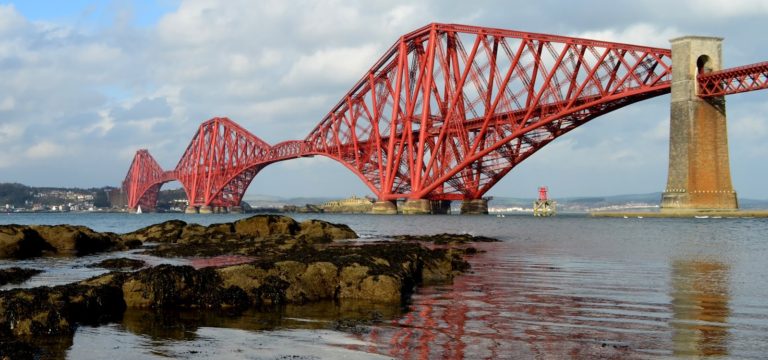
568,286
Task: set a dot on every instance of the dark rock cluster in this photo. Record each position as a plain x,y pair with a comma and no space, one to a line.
22,241
16,275
290,263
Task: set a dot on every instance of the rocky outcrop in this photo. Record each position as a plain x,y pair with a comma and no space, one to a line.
78,240
289,264
380,272
57,310
165,232
120,264
21,241
256,235
16,275
445,239
318,231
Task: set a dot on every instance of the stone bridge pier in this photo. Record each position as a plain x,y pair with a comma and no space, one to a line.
699,177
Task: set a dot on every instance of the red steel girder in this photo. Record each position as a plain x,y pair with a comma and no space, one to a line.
450,109
734,80
220,162
143,181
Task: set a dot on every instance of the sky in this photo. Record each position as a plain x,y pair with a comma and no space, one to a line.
84,84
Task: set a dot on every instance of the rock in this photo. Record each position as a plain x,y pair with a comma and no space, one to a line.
16,275
193,233
21,242
57,310
78,240
165,232
319,281
167,286
120,263
266,225
18,241
253,236
318,231
445,239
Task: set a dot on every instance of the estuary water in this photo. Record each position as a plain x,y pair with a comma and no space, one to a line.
569,286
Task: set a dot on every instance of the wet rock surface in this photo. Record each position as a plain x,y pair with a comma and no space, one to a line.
21,241
57,310
256,235
16,275
120,264
289,264
445,239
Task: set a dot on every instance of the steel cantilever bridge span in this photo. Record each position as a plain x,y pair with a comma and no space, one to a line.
444,114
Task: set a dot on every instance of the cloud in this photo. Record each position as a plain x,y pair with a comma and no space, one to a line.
635,34
8,103
277,68
341,65
143,109
727,8
10,132
46,149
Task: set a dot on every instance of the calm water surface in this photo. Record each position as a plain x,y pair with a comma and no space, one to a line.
568,286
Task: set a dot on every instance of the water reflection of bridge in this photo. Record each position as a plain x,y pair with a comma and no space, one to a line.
539,308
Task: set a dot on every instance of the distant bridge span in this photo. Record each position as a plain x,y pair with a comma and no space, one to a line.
444,114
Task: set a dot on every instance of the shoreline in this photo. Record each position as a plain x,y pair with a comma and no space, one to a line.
684,214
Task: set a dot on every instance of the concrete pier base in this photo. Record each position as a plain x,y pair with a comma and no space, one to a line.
425,206
699,177
416,207
205,210
235,209
474,207
441,207
190,210
384,207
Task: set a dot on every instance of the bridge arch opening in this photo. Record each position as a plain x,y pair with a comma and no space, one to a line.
307,179
704,64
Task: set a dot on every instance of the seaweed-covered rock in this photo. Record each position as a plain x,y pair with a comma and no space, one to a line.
20,242
57,310
16,275
78,240
318,231
445,239
120,263
165,232
266,225
180,287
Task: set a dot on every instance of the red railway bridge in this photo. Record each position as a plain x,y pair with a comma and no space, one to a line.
449,110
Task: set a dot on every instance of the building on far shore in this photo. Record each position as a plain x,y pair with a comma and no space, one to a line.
352,204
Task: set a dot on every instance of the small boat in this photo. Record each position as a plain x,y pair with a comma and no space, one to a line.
702,216
138,210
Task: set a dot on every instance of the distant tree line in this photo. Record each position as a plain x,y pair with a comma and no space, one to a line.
19,195
15,194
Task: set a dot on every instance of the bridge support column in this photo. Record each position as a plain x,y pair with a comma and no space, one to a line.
384,207
206,210
425,206
699,171
190,210
417,207
474,207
